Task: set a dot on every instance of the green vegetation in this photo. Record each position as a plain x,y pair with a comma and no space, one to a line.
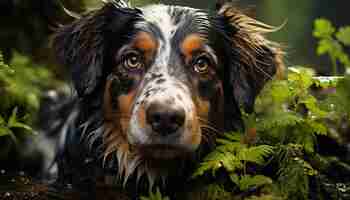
294,143
21,86
281,155
331,42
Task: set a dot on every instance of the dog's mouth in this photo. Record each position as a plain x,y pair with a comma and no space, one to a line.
162,151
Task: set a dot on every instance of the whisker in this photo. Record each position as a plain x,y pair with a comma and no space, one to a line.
208,138
207,127
206,121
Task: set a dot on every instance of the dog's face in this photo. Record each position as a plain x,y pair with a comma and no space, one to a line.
170,78
169,74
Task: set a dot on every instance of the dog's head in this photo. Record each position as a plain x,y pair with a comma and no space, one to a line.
170,78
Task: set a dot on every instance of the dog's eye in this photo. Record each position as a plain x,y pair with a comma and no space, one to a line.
201,65
132,60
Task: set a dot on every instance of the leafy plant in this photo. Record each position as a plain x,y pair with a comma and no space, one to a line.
233,156
290,116
21,86
6,128
331,42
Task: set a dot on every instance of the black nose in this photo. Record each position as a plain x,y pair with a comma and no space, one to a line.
165,119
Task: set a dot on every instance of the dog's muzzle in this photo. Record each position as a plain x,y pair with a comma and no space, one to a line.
165,119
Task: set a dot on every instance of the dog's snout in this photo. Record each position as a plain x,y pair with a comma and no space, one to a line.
165,119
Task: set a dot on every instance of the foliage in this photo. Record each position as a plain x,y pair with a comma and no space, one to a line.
338,102
20,87
332,42
232,155
280,156
285,159
23,84
12,123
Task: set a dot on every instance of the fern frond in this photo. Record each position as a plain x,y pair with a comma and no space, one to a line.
313,108
300,77
231,155
294,172
255,154
217,159
316,127
246,182
278,120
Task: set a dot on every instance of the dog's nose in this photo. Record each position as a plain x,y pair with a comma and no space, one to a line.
165,119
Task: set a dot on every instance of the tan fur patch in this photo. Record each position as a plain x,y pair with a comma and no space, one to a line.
146,43
141,116
116,123
203,108
125,103
196,135
190,44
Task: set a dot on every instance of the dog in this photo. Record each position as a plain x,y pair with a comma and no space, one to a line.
155,86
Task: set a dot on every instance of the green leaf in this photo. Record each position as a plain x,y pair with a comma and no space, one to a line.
33,100
255,154
328,46
343,35
311,104
4,131
23,126
2,121
292,179
13,117
210,165
246,182
280,91
323,28
308,142
317,127
279,119
14,123
233,136
300,77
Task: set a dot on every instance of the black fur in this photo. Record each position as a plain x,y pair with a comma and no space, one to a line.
86,46
82,45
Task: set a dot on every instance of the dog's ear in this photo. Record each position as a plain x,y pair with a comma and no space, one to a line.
82,45
252,59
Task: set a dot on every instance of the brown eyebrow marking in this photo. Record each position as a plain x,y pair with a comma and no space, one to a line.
145,42
191,43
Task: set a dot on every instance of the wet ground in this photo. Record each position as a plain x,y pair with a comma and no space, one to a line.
21,187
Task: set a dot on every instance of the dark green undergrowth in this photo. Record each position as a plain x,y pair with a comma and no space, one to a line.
21,85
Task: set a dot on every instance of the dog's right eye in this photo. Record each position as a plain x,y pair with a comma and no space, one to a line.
132,61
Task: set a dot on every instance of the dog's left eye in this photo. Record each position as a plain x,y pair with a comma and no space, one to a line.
201,65
132,60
